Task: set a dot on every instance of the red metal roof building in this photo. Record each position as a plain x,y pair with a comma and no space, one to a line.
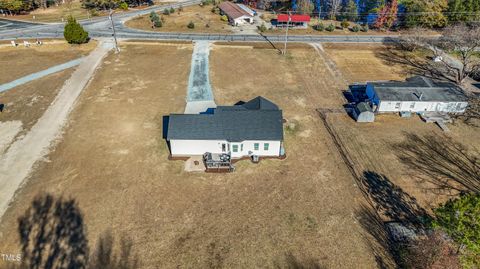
296,20
293,18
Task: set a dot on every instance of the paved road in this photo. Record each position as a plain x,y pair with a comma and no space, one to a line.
12,25
101,27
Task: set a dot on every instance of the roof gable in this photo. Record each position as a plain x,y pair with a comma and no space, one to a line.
262,121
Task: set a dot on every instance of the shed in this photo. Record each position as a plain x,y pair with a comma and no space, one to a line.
362,112
236,14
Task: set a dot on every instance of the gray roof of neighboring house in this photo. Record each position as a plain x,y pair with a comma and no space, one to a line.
418,89
258,119
232,10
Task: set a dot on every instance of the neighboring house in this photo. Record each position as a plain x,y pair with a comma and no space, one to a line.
236,14
296,21
362,112
417,94
253,129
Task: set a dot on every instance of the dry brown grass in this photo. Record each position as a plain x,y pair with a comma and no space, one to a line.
371,145
178,21
301,211
20,61
113,161
28,102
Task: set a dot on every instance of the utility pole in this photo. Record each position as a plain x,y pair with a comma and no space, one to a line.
110,16
286,33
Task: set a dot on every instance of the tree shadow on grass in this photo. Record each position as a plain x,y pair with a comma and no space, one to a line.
418,63
391,201
107,256
382,247
441,161
52,234
292,262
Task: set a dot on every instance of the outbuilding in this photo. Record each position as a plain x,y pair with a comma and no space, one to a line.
362,112
417,95
293,21
236,14
253,129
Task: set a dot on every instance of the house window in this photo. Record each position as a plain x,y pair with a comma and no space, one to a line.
235,148
224,147
241,147
265,146
397,105
256,146
412,105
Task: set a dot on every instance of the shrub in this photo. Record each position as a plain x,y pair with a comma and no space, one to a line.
123,6
224,18
180,8
191,25
319,27
166,12
344,24
434,250
74,32
330,28
172,10
206,2
152,15
365,28
262,28
155,19
460,219
157,22
355,28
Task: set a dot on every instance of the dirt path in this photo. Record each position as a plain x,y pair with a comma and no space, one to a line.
17,162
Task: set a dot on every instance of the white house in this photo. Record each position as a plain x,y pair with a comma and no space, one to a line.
236,14
417,94
251,129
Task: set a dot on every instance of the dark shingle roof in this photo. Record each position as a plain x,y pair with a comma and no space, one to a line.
231,123
413,88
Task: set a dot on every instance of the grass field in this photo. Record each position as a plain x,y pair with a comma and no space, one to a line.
371,145
178,21
56,13
306,211
113,162
20,61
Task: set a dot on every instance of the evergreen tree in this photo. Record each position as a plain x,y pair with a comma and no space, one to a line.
460,218
426,13
350,11
463,11
74,32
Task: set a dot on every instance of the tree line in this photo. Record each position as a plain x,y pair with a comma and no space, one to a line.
12,7
389,13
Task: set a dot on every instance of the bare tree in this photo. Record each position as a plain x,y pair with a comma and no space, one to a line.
334,7
464,42
452,57
413,40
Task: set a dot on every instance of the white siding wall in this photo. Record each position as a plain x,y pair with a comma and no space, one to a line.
199,147
195,147
451,107
273,148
